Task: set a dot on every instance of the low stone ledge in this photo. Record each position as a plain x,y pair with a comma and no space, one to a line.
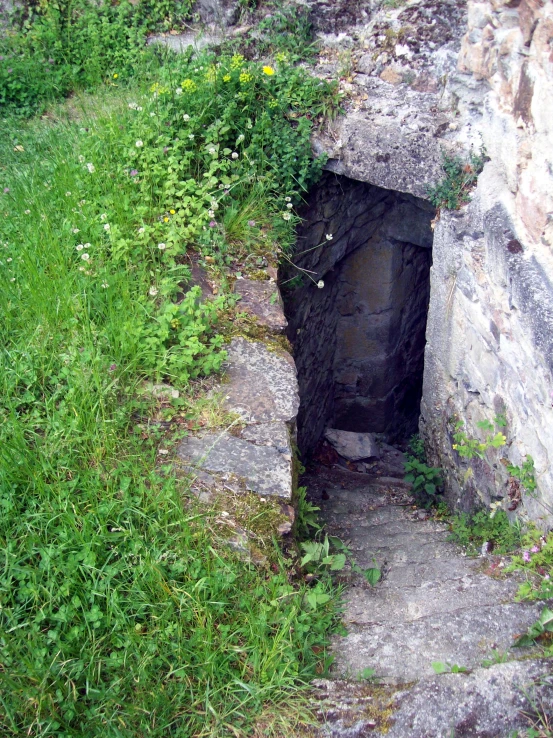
261,388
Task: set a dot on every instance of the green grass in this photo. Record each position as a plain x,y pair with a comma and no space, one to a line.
122,614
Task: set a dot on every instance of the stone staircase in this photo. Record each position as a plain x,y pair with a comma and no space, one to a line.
433,604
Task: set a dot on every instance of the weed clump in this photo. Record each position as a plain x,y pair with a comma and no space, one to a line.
460,177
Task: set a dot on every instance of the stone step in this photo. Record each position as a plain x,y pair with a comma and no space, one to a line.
407,602
404,651
490,702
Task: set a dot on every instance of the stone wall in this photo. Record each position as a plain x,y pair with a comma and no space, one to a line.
359,339
490,334
413,92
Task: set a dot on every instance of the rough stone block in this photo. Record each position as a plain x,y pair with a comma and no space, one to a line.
262,300
353,446
264,469
262,383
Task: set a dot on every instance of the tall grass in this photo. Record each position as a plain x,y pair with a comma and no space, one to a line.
121,615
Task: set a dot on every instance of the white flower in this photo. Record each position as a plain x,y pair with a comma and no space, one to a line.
212,150
139,108
240,138
152,291
289,205
139,144
85,257
152,114
79,247
178,91
186,116
320,284
287,199
329,236
161,246
82,269
87,245
27,212
91,168
67,194
134,106
105,285
10,259
141,230
286,216
191,136
215,205
12,279
81,159
103,216
211,213
107,227
82,202
234,155
75,230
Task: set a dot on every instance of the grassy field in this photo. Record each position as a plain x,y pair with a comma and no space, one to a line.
121,613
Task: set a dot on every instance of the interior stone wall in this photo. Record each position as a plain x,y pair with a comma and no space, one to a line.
359,339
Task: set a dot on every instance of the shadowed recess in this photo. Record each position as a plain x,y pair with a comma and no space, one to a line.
357,300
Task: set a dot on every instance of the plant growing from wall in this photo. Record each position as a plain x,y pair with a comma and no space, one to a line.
460,177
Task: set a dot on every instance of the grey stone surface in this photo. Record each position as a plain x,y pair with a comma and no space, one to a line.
393,142
217,12
265,470
490,703
488,351
180,42
432,605
353,446
495,702
262,300
262,384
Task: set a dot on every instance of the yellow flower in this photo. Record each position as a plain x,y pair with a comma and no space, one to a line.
269,71
172,212
226,78
189,85
236,61
158,89
115,76
245,77
166,219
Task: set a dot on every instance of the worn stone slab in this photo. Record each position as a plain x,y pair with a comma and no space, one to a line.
393,143
404,651
269,434
262,300
262,385
416,599
489,703
353,446
264,469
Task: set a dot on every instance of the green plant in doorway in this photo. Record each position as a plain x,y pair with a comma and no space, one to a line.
426,480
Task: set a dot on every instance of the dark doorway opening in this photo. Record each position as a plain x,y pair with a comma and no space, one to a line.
357,301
